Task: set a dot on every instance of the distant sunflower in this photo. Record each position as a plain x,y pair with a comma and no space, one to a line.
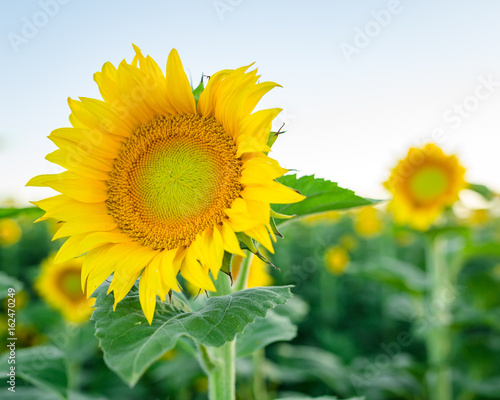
337,259
10,232
59,285
158,182
423,185
367,222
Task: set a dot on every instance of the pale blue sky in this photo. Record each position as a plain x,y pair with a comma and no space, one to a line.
346,121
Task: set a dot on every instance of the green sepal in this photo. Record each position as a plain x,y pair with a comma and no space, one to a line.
226,263
277,215
198,90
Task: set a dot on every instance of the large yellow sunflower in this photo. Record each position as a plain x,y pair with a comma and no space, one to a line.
159,182
59,285
423,185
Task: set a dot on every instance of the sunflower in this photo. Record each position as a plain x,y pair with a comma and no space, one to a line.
337,259
423,185
10,232
367,222
159,180
59,285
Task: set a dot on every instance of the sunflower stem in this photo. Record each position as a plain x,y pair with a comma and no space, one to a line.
244,272
439,338
221,375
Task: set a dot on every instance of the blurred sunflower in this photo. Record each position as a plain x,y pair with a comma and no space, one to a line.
59,285
423,185
10,232
337,259
367,222
159,181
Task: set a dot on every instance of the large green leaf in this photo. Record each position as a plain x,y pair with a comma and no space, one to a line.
264,331
42,366
131,345
322,195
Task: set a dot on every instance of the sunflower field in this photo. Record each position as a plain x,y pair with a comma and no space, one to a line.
249,200
180,261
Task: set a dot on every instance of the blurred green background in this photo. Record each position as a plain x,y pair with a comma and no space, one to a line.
361,307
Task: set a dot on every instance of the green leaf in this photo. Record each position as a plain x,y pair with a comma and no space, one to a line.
131,345
42,366
322,195
263,332
7,282
484,191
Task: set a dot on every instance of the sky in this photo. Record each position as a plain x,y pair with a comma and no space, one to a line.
362,80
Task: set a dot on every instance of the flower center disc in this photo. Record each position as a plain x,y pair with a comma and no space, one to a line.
172,179
428,184
69,283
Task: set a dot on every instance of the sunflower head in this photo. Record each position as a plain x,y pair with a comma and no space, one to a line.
337,259
59,285
158,182
367,222
423,185
10,232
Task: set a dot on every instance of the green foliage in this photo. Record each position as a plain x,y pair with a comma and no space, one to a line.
42,366
322,195
7,282
130,345
12,212
484,191
263,332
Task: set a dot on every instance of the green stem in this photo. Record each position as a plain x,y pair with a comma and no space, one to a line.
221,373
259,381
439,337
242,280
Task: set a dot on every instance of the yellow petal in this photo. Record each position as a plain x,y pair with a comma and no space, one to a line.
89,264
256,94
147,293
230,241
69,250
194,273
85,224
272,192
83,189
81,143
163,262
179,89
258,125
64,208
261,234
78,166
261,167
96,239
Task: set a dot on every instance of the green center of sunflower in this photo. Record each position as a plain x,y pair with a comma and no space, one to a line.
174,178
428,183
69,282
